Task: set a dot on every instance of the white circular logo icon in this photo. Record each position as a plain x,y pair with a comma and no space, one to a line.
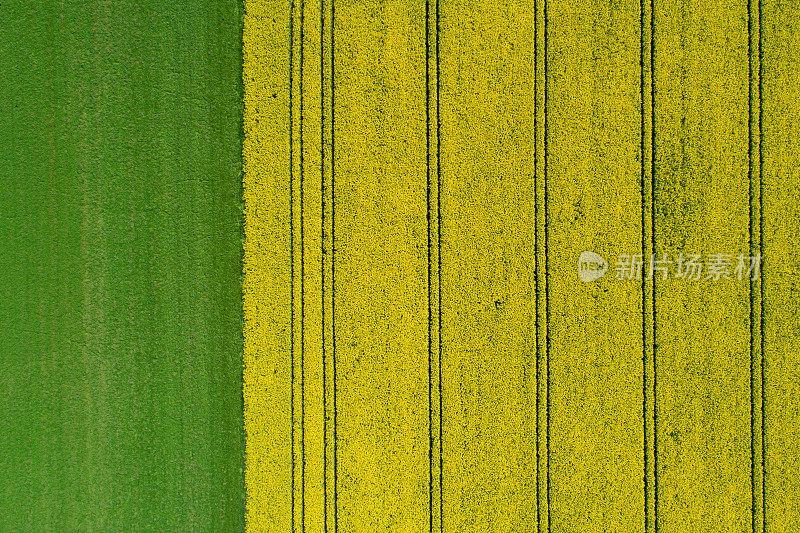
591,266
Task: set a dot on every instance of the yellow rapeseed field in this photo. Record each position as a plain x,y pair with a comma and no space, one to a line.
420,180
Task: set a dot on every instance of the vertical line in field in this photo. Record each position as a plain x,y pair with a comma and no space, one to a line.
643,172
647,150
322,265
647,184
756,286
428,217
333,282
547,262
653,251
433,215
302,285
536,243
750,249
762,353
291,252
540,267
439,270
329,517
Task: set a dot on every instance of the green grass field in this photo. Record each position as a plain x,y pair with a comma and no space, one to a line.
120,265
